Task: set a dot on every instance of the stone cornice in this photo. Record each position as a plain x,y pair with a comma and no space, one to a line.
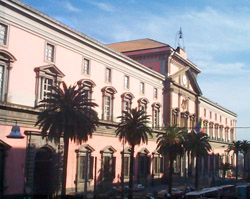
76,35
204,99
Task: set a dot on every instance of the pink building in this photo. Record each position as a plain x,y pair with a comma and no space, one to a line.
36,51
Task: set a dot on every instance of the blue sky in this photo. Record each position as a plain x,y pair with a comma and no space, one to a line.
216,37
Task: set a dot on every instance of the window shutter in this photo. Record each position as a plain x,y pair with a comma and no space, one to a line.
113,166
161,164
91,167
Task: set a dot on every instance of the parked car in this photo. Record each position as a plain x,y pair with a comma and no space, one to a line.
243,191
176,194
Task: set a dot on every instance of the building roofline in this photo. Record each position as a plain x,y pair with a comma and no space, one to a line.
84,38
217,106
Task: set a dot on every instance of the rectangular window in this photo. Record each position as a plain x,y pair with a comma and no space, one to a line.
126,166
46,87
82,164
142,88
210,114
205,112
126,82
127,106
220,118
156,118
109,168
86,66
3,34
107,107
108,75
158,164
215,117
226,120
155,93
1,81
49,54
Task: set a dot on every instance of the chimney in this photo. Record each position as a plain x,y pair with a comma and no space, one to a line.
181,52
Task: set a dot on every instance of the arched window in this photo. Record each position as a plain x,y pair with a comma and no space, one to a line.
127,101
184,119
156,115
88,86
142,104
6,61
211,130
216,131
192,121
227,134
205,123
221,133
232,134
175,116
108,95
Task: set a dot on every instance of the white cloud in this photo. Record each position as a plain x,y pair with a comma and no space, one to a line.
70,7
104,6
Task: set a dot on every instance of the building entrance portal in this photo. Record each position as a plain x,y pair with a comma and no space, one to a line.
43,172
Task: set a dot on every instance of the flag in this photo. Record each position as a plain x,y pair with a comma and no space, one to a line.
199,127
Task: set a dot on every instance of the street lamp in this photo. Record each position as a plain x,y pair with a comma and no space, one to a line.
15,132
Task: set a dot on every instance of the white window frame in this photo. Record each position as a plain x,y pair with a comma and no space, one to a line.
86,67
126,82
108,93
46,72
108,75
46,55
6,35
155,93
142,88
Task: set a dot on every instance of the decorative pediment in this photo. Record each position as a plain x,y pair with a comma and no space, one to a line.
186,79
108,149
85,148
50,69
4,145
144,151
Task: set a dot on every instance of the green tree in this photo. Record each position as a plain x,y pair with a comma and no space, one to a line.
236,148
199,143
224,167
245,146
134,130
170,144
67,113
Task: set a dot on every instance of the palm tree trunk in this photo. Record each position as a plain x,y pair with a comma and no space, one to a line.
65,161
236,169
197,172
188,164
131,172
170,175
244,169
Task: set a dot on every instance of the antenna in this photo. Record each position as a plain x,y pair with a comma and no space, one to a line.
179,39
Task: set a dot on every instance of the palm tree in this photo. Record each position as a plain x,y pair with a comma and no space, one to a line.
170,144
134,130
236,148
200,147
245,146
224,167
67,114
